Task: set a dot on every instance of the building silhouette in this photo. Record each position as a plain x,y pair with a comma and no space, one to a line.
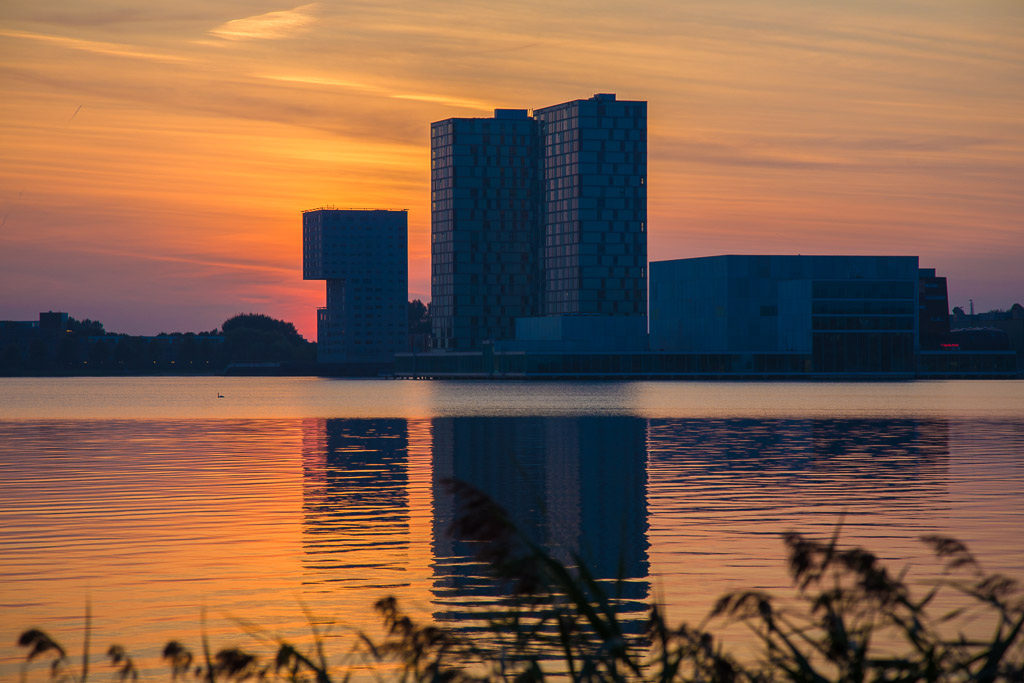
538,217
752,316
485,227
595,207
849,313
933,310
363,256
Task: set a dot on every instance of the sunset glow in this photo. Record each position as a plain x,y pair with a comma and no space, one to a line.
156,159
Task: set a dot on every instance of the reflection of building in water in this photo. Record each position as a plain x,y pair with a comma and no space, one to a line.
862,465
799,444
722,491
356,502
377,517
574,485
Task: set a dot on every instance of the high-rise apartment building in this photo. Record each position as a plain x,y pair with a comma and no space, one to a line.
363,256
542,215
485,227
595,207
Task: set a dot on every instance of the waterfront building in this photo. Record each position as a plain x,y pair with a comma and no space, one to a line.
933,310
539,216
849,313
485,227
363,256
595,207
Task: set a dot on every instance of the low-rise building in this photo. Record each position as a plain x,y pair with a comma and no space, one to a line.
846,313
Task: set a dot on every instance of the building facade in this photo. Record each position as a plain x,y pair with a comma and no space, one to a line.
485,227
542,215
933,310
848,313
363,256
595,207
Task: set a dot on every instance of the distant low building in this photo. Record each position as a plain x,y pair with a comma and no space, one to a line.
846,313
579,333
50,323
16,328
363,256
1010,322
933,310
53,322
980,339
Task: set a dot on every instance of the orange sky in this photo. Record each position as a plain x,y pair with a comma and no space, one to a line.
155,159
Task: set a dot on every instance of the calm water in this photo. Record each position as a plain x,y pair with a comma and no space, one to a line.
154,499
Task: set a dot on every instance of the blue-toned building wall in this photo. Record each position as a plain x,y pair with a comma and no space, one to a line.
595,207
485,227
535,216
579,333
363,256
852,312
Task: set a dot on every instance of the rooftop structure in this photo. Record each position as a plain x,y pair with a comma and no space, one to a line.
485,227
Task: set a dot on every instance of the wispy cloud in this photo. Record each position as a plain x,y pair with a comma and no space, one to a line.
461,102
444,99
323,80
269,26
199,261
115,49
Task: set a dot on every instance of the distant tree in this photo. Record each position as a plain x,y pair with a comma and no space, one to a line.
1017,311
264,323
86,328
419,317
254,337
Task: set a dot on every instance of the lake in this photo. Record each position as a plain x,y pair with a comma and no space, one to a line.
157,501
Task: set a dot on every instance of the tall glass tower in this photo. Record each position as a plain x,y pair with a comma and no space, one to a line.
595,207
485,227
542,215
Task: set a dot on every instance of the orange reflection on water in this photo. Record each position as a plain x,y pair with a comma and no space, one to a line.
254,518
367,529
150,522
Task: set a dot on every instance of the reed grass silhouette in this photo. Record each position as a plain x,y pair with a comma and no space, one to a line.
849,619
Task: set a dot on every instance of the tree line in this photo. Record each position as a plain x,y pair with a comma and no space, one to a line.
86,348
